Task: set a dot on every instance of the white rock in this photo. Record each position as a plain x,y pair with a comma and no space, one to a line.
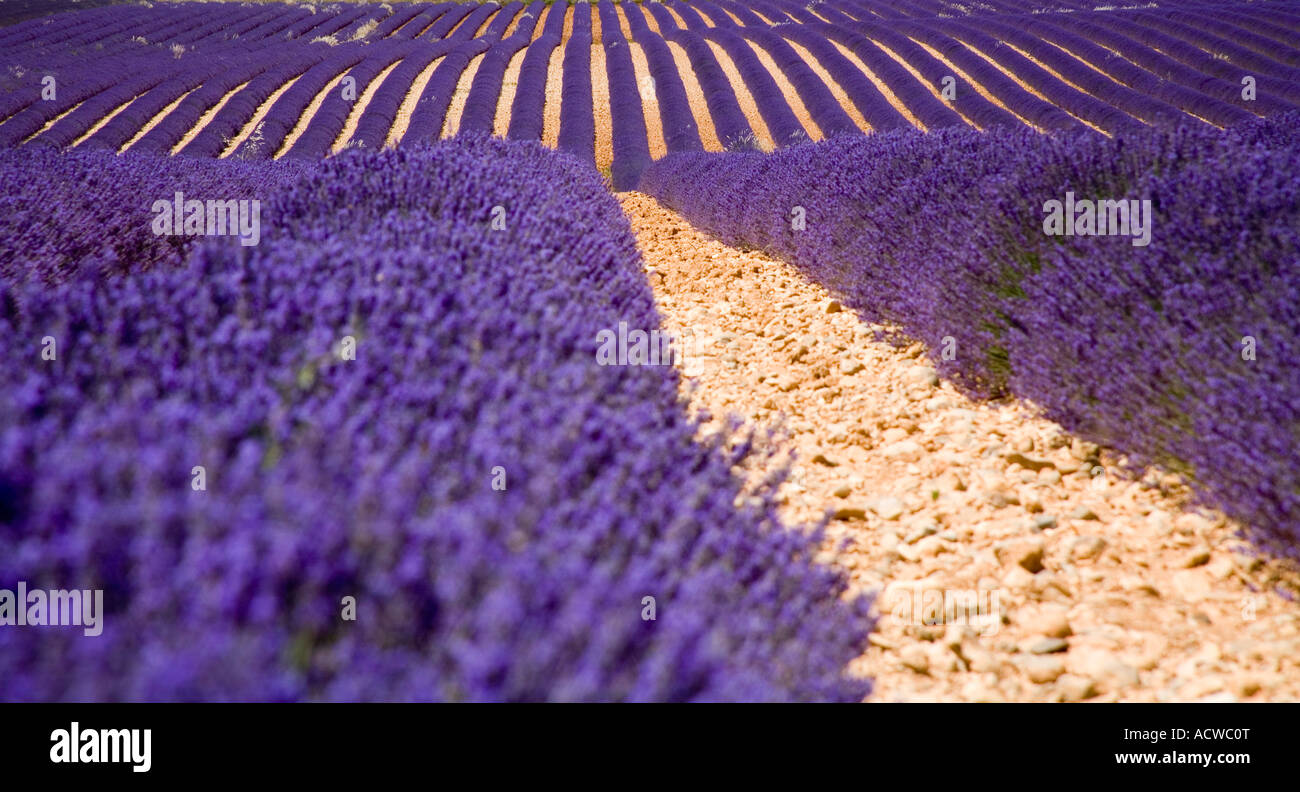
976,692
1083,548
888,508
1107,672
1192,584
1042,669
923,375
1050,620
1192,525
981,660
893,434
915,657
1075,688
903,451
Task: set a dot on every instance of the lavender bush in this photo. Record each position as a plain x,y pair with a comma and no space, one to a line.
680,131
629,140
373,477
90,211
485,92
577,133
1181,353
530,95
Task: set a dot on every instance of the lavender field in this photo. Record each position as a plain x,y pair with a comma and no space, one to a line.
650,351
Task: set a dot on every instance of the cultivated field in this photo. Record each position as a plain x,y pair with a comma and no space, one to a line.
979,326
619,84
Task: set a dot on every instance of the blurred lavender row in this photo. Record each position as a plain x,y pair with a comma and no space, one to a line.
328,477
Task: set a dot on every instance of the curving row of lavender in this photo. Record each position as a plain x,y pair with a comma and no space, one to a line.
1179,353
375,477
629,139
529,103
479,115
577,133
85,211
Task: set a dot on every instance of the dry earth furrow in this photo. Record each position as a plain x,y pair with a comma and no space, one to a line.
748,106
654,125
309,113
649,18
968,80
541,23
207,117
402,120
509,85
255,122
604,122
695,98
623,25
841,96
884,89
554,82
109,116
359,108
792,98
456,108
153,122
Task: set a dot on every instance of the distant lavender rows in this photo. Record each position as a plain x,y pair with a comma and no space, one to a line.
1060,67
374,477
1182,353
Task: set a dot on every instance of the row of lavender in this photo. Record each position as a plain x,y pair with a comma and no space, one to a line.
181,79
399,404
1163,327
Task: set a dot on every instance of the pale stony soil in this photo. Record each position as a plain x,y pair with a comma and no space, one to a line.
743,97
884,89
456,108
1104,589
604,149
157,119
344,138
250,129
788,90
309,113
522,16
979,87
554,81
621,12
509,86
98,125
402,120
654,126
695,98
205,119
837,90
650,20
551,111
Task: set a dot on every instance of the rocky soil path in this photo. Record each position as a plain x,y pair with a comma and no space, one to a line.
1100,588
